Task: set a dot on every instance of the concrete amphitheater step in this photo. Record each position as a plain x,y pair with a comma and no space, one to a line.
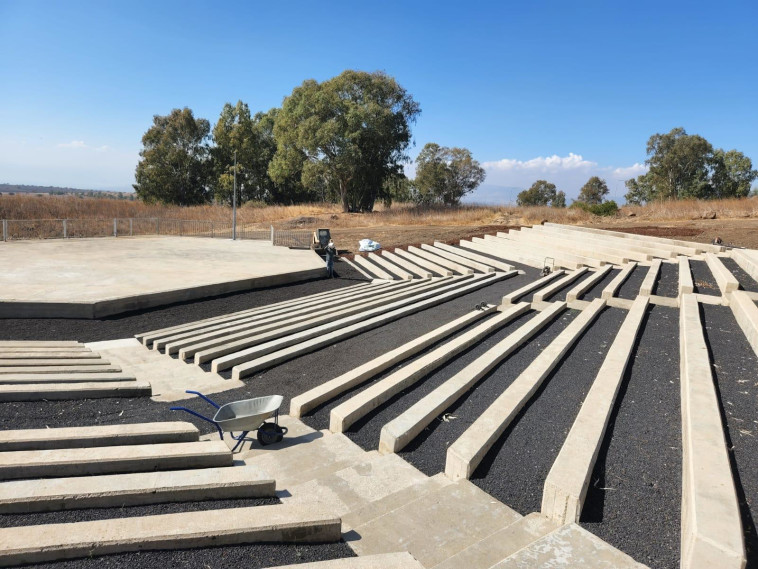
612,288
465,454
420,272
682,247
648,283
568,546
69,391
512,297
357,267
424,263
535,243
39,371
50,378
454,290
467,254
373,269
588,240
351,410
98,436
545,293
387,266
277,523
746,313
686,286
48,355
396,434
495,547
462,261
711,526
47,361
440,261
512,251
725,280
141,488
566,484
305,402
429,527
579,290
568,247
403,560
58,463
35,344
746,261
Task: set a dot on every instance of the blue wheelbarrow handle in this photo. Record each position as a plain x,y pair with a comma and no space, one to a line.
203,417
216,405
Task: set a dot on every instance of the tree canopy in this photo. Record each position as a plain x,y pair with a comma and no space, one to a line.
174,167
542,193
594,191
445,175
347,135
687,166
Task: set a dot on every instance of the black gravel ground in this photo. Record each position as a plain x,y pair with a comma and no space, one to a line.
597,290
634,499
91,514
430,458
746,281
734,365
514,471
129,324
667,283
255,556
703,279
560,296
631,286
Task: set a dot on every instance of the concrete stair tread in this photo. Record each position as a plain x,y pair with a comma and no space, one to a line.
403,560
168,531
67,391
96,436
108,460
131,489
429,528
59,370
495,547
44,361
569,546
50,378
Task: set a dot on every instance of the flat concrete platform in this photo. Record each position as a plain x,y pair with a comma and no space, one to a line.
94,278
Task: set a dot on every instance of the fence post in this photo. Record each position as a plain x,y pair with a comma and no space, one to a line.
115,227
5,230
65,228
272,234
157,226
213,229
131,227
181,227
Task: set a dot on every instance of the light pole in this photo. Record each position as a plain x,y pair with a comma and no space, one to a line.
234,201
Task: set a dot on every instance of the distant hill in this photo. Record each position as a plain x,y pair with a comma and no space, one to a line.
59,191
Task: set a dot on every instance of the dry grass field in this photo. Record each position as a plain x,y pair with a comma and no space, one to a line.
735,221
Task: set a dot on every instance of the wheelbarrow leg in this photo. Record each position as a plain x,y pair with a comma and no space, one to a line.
240,440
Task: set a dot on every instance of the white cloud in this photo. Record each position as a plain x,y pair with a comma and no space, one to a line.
549,163
632,171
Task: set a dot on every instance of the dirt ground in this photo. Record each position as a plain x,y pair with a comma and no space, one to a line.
733,232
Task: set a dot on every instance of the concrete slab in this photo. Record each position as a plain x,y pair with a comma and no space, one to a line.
746,313
467,254
357,267
648,284
420,272
579,290
711,526
70,391
429,528
58,463
37,344
746,261
301,404
569,546
567,482
424,263
101,277
609,241
15,362
344,415
465,454
514,252
371,268
545,293
532,286
442,295
98,436
535,242
686,286
613,286
390,267
47,355
457,259
724,278
499,545
403,560
62,371
119,490
54,352
598,249
168,531
441,261
396,434
47,378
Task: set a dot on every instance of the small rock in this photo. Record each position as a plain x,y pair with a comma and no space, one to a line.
631,214
708,215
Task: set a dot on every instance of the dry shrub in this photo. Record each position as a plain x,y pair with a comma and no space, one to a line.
696,209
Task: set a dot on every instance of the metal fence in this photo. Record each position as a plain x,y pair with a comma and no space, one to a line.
17,229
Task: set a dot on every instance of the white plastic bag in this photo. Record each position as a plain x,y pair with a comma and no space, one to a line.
368,245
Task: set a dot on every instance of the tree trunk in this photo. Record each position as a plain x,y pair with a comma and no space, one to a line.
343,196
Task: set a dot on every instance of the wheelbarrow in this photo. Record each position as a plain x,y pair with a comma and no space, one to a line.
244,416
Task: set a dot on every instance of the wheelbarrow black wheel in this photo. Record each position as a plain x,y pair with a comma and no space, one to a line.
270,433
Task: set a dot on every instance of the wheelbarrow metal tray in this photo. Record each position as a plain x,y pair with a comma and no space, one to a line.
248,414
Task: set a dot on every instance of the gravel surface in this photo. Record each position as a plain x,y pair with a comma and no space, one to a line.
634,498
746,281
560,296
734,366
90,514
127,325
431,459
703,279
630,288
256,556
514,471
597,290
667,283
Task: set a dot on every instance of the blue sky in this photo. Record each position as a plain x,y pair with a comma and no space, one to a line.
553,90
